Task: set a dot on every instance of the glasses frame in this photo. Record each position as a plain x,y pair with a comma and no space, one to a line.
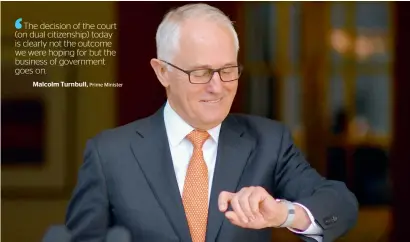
188,72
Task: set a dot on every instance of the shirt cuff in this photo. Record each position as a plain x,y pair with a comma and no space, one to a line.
314,230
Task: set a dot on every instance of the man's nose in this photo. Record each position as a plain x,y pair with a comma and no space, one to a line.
216,83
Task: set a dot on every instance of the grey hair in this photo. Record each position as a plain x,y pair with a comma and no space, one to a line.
168,33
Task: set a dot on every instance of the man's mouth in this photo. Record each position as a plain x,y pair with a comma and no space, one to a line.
212,101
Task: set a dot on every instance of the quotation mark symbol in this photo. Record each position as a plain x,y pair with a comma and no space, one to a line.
17,24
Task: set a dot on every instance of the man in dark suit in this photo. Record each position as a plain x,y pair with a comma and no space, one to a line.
194,172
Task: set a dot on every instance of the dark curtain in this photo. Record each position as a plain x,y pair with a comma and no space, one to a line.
400,161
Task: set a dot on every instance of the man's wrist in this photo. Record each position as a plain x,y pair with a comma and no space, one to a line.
287,214
292,215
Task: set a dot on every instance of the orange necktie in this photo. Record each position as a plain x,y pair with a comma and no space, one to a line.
195,193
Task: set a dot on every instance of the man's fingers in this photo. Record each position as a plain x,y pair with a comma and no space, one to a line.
244,202
223,200
233,218
245,205
254,200
236,206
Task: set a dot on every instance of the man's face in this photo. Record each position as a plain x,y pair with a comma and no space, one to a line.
203,44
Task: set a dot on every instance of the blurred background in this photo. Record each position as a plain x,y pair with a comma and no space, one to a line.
334,72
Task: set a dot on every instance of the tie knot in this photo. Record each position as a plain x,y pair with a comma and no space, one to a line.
198,138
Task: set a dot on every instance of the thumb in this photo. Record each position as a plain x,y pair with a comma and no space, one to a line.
224,199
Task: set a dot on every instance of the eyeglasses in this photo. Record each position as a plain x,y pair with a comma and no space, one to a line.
204,75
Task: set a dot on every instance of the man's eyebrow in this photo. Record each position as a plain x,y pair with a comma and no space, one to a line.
200,67
231,64
210,67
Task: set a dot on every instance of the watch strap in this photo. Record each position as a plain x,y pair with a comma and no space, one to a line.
291,214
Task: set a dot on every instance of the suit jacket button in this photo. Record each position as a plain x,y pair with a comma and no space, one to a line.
330,220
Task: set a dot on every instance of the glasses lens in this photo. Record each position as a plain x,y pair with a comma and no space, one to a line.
230,73
204,75
201,76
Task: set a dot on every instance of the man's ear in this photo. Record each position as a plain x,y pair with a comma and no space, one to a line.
160,71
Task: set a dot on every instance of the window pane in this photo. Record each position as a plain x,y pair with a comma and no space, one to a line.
371,46
260,89
372,30
338,14
271,27
337,104
259,48
260,38
372,15
295,29
339,38
291,101
373,102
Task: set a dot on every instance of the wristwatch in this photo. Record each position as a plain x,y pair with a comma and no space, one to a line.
291,213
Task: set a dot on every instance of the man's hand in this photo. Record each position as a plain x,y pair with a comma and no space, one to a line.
253,207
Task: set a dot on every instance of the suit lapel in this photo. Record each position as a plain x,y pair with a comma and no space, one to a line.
234,150
152,152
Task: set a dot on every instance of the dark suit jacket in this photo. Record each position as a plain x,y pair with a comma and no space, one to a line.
128,179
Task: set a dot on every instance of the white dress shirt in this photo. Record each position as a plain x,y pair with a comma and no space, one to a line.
181,151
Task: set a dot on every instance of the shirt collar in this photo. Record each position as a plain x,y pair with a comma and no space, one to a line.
177,129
